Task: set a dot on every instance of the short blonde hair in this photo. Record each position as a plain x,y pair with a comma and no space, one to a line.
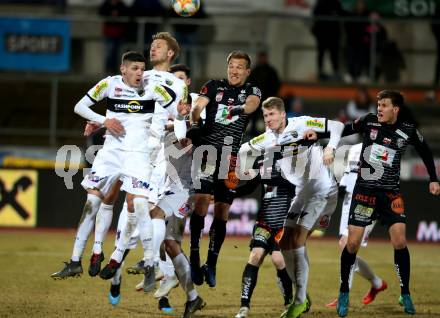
172,43
274,103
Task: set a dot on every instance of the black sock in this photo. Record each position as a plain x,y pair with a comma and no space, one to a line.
347,261
196,225
248,283
402,265
217,235
285,284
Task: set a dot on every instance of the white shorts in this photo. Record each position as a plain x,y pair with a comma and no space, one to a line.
105,171
136,172
312,212
175,201
343,225
175,228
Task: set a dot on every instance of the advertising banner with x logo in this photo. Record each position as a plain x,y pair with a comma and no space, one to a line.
18,197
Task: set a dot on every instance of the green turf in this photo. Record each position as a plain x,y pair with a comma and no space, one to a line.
28,258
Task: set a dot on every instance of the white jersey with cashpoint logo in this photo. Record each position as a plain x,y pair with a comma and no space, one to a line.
302,165
138,110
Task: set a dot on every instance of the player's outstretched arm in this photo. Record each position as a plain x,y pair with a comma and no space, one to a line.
335,128
248,107
425,153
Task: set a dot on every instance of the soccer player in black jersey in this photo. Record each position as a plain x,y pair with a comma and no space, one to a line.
228,104
376,195
276,197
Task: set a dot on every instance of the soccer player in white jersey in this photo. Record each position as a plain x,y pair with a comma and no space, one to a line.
304,165
170,91
361,267
105,171
173,205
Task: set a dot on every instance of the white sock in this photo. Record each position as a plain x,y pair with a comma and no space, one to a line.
366,272
116,280
124,238
353,269
145,227
167,266
290,265
183,272
85,226
159,228
301,274
103,222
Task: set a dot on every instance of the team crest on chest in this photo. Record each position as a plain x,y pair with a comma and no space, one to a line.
373,134
241,98
219,97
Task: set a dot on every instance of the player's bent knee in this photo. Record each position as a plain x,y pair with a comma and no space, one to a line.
172,248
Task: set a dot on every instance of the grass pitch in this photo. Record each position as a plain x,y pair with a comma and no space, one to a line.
28,258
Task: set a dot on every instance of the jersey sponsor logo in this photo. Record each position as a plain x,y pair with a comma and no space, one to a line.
374,124
204,90
132,106
95,178
184,210
382,154
402,134
324,221
373,134
400,142
99,88
256,91
315,123
169,82
261,234
219,97
18,197
363,210
223,116
163,92
397,205
258,139
139,184
241,98
365,198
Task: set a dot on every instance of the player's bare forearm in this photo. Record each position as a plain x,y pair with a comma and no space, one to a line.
251,104
200,104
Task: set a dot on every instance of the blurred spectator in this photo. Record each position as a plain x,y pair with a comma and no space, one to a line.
294,106
358,41
327,34
148,8
193,39
392,62
265,77
114,32
360,105
435,27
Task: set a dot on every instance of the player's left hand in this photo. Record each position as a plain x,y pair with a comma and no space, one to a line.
329,155
434,188
183,108
91,127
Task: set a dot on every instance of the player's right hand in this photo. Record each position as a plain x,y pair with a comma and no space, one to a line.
329,155
434,188
114,126
91,127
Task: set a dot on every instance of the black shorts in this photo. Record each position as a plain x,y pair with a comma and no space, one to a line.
266,238
210,183
368,205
